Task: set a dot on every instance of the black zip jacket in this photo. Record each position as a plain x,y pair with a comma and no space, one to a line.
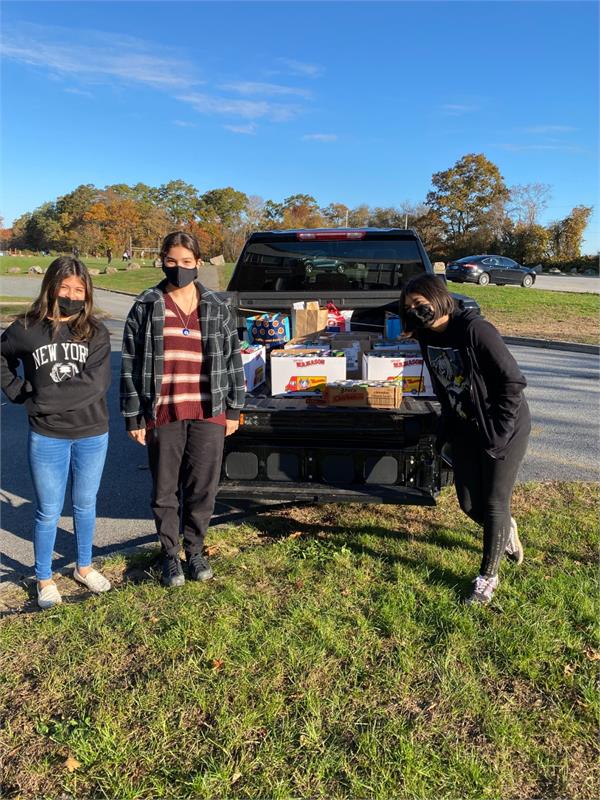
492,401
65,381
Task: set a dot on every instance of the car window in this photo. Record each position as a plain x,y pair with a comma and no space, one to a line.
334,265
488,261
508,262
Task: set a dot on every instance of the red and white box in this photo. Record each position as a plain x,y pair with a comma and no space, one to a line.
405,368
304,373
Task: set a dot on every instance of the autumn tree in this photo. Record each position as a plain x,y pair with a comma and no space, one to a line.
301,211
464,195
566,235
527,201
337,215
180,200
359,216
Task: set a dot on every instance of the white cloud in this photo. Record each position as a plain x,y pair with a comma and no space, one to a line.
550,129
320,137
519,148
248,109
80,92
96,54
267,89
181,123
301,67
93,56
249,129
457,109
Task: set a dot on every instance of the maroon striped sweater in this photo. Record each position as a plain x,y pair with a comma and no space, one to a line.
185,389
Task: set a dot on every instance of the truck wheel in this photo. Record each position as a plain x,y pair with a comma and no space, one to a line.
527,281
484,279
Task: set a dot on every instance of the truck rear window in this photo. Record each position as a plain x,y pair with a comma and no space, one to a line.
369,265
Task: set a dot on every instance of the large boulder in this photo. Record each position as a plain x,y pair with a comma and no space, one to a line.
110,271
35,270
94,271
158,263
217,261
14,270
132,265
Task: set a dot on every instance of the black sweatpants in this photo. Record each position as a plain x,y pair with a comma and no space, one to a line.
484,488
185,463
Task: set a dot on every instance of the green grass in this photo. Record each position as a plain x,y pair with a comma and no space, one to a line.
11,306
540,313
329,658
133,281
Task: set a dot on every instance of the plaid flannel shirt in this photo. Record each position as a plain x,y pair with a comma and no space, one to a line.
143,356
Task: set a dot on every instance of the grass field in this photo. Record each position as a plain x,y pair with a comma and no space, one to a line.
540,313
515,311
329,658
10,306
133,281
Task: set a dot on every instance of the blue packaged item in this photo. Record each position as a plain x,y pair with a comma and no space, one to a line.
393,326
271,330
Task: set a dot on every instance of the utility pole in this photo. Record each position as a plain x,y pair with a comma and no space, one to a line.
406,220
346,218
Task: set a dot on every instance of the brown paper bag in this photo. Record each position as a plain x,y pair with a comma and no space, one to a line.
308,320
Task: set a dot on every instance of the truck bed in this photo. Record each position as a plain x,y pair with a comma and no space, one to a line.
287,449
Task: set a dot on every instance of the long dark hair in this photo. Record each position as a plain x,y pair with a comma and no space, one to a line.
46,305
434,289
183,239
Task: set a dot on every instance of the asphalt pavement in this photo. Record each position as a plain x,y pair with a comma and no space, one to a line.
563,394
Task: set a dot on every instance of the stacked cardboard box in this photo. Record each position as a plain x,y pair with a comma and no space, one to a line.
404,367
304,372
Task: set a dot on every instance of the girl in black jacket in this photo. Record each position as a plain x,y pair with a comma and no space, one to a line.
485,418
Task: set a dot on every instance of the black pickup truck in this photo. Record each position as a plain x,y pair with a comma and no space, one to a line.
290,451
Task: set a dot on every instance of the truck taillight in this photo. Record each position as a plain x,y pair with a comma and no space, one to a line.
330,235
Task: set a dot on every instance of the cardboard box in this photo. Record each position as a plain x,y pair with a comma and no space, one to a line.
406,368
357,394
304,373
354,345
254,361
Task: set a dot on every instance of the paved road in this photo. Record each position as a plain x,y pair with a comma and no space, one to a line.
563,394
554,283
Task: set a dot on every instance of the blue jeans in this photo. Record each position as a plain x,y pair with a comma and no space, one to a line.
50,461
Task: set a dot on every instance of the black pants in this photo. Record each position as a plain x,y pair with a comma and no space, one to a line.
185,463
484,488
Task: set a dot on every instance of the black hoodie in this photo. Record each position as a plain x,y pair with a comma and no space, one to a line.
476,380
66,381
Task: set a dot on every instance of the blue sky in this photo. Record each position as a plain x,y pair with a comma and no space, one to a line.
356,102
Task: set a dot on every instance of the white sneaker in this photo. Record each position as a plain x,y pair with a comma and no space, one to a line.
94,581
514,548
484,587
48,596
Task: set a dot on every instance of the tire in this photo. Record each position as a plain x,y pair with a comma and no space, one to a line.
483,279
527,281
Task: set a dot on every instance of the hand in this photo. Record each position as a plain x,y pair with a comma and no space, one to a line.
138,436
231,426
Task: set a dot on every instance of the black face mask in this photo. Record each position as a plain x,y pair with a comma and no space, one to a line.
419,317
68,307
180,276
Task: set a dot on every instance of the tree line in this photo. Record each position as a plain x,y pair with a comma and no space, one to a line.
469,210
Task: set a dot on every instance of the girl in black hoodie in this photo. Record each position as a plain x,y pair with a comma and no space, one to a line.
485,419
